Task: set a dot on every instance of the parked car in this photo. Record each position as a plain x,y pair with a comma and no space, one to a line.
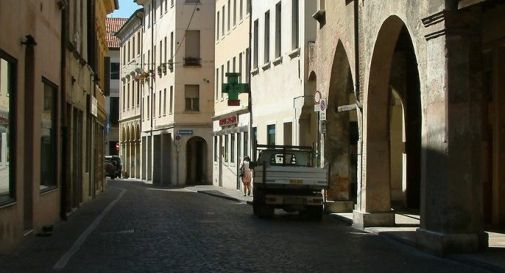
113,166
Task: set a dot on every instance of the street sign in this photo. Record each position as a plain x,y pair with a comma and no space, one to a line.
185,132
347,108
317,108
317,97
323,104
322,115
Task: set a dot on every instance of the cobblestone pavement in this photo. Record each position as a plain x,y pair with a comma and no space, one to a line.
176,230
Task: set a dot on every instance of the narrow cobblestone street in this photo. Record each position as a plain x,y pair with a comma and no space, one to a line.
148,229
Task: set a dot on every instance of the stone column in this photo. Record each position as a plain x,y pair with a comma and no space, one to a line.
451,187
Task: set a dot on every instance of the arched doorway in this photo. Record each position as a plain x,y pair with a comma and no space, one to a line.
307,134
341,134
196,161
392,127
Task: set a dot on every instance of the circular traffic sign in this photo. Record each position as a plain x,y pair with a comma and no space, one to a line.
317,97
178,137
323,105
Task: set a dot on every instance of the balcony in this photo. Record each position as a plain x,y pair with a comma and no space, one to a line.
193,61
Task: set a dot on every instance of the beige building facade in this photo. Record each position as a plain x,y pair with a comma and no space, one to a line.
282,92
129,94
421,80
231,124
177,91
50,110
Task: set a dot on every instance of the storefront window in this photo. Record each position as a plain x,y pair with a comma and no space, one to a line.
7,122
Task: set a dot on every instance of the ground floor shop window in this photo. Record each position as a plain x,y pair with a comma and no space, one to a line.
7,125
232,148
48,133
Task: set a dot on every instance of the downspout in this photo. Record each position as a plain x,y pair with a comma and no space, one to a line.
63,68
249,106
151,88
357,94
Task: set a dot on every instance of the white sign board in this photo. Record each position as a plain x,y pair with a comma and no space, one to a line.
322,115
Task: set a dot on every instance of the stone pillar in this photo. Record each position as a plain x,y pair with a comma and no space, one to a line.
451,187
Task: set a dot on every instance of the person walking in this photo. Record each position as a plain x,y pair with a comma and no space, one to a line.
246,175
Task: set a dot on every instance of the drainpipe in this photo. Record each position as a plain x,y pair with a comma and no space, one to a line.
357,94
151,89
63,67
249,107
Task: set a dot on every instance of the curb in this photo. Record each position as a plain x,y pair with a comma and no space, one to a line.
458,259
219,195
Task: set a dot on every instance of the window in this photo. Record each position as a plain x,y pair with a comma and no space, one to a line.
124,96
217,26
128,96
217,84
129,52
155,4
295,43
133,47
222,26
114,71
114,111
138,43
232,148
247,65
172,46
154,105
241,77
254,141
165,102
147,16
266,53
49,131
133,94
192,98
229,16
271,134
222,81
255,60
241,9
192,1
288,133
123,48
234,62
165,60
138,94
160,99
166,6
234,12
7,133
278,29
148,106
248,6
192,47
171,99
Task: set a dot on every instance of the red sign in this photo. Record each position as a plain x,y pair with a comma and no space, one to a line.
117,146
228,121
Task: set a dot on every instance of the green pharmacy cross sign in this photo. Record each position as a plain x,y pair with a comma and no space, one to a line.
233,88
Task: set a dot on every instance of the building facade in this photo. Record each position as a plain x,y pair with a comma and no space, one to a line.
50,156
422,81
130,83
231,124
177,92
112,85
282,94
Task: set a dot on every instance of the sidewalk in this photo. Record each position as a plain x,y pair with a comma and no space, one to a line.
492,259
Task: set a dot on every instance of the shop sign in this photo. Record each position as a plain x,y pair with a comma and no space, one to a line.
185,132
228,121
94,106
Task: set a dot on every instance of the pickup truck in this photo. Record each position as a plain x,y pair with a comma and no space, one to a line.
285,177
